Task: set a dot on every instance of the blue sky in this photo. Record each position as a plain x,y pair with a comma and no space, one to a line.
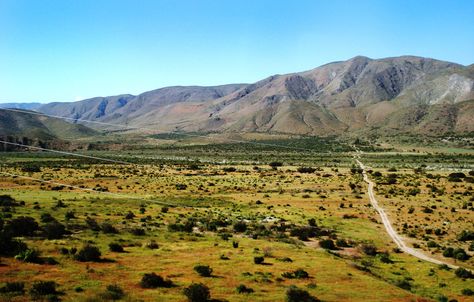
68,50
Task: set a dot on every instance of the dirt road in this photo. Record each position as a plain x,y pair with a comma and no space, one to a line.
388,226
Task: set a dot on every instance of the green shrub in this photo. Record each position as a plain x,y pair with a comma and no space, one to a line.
43,288
463,273
29,255
295,294
108,228
203,270
327,244
368,249
47,217
258,259
88,253
54,230
467,292
113,292
138,231
9,246
153,280
306,170
13,287
116,247
21,226
466,235
242,289
197,292
240,226
404,284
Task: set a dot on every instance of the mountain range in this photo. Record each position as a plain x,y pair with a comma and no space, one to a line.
405,94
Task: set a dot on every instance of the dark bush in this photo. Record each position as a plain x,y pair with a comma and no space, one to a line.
456,175
197,292
229,169
138,231
116,247
9,246
466,235
304,233
203,270
153,280
448,252
258,259
404,284
242,289
460,254
240,226
368,249
295,294
113,292
298,274
92,224
69,215
7,201
301,274
275,164
179,227
327,244
88,253
129,215
181,187
54,230
306,170
463,273
467,292
108,228
29,255
13,287
43,288
21,226
47,217
312,222
164,210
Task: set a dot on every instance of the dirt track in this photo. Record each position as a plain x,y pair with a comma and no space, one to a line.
388,226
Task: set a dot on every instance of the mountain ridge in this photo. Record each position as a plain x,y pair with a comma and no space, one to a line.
357,94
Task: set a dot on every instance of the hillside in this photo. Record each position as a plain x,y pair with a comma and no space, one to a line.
35,129
401,94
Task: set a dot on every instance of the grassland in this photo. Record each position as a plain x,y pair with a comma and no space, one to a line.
222,205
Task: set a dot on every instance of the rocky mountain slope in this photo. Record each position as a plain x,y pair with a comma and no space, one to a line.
401,94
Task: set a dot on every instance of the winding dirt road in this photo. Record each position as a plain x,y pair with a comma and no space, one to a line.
388,226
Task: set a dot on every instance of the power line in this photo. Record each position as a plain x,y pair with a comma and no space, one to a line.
83,189
68,153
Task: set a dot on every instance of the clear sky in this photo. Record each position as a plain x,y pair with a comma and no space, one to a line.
66,50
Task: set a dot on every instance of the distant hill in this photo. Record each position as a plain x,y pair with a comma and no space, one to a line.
25,106
33,129
393,95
